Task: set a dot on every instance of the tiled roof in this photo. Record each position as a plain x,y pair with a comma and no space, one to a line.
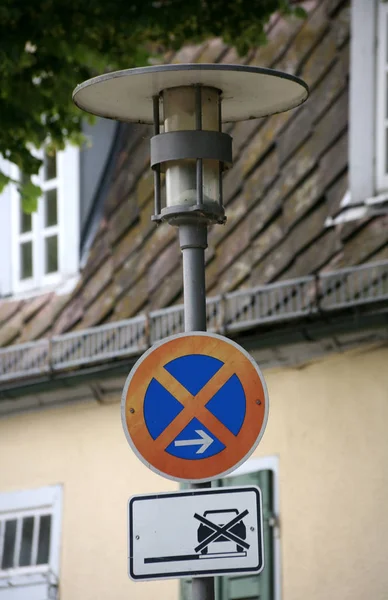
289,175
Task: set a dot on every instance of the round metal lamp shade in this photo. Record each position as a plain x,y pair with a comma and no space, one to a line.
247,92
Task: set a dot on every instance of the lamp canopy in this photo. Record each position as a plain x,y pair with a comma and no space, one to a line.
247,92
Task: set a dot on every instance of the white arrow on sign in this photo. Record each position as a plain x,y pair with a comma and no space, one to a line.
204,441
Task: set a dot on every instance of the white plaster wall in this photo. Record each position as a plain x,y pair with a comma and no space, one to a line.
328,424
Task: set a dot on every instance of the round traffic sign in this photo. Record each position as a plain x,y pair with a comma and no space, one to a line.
194,407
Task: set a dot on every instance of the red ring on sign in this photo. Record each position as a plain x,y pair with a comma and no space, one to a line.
237,447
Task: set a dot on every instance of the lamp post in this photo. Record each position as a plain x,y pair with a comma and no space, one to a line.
187,104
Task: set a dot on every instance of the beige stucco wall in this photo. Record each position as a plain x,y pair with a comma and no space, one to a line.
328,423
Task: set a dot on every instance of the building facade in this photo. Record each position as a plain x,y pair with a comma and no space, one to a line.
298,276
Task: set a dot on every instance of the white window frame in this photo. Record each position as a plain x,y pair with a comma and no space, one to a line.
37,235
27,503
6,232
381,98
362,96
368,185
267,463
67,184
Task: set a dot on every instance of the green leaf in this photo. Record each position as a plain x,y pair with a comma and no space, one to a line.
30,194
4,180
300,12
47,49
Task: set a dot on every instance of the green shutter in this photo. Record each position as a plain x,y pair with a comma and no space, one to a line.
185,589
253,587
248,587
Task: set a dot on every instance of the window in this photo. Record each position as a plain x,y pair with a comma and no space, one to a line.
265,586
40,229
368,113
382,99
45,244
30,527
43,250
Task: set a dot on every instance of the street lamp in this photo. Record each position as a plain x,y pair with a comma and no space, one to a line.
187,104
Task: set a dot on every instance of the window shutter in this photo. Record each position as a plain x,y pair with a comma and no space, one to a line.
248,587
253,587
185,589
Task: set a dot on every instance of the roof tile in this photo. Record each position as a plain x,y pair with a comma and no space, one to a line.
8,308
334,82
273,264
262,142
236,274
320,60
99,252
97,284
98,311
302,199
341,25
145,188
132,301
334,162
261,178
314,257
270,237
332,124
311,32
336,193
279,37
212,52
169,290
168,260
332,6
10,330
70,316
309,229
42,323
123,218
367,242
30,309
233,245
135,236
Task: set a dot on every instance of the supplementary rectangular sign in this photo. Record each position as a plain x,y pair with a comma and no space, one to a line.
196,532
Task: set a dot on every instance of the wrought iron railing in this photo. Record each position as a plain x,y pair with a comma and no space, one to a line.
356,285
99,343
229,313
279,301
24,359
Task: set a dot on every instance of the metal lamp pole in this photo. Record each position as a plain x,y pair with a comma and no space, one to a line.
193,241
191,152
193,201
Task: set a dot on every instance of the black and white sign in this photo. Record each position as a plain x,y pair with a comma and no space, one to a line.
198,532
